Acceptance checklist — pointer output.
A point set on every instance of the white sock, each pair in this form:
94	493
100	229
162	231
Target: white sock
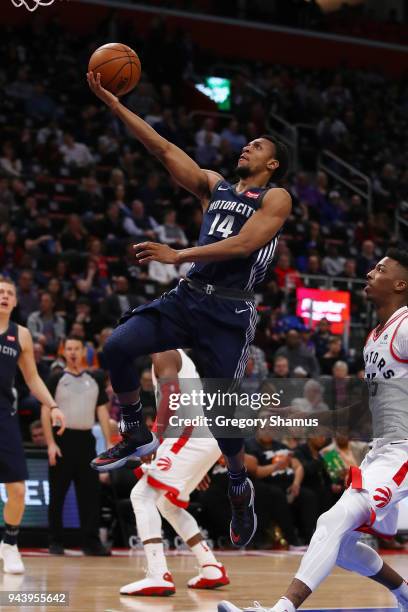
401	593
284	605
156	560
203	553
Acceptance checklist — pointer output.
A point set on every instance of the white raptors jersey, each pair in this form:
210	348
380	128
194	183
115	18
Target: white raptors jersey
386	370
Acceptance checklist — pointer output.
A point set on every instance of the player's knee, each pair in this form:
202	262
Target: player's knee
137	496
112	348
16	492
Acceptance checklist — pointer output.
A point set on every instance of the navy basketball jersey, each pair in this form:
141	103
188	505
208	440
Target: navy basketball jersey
226	214
9	353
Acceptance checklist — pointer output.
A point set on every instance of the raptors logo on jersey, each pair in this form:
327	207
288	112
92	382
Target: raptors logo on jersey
382	496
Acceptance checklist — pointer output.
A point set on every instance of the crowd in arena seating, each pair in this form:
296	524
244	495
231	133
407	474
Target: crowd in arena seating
76	192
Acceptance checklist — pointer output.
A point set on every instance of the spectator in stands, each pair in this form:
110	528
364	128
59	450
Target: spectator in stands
163	274
171	233
116	304
27	295
341	384
312	400
40	241
367	260
140	225
321	337
333	354
83	314
233	136
37	434
207	134
316	480
278	477
56	290
10	165
75	154
287	277
260	366
281	367
333	263
11	253
298	354
74	235
45	326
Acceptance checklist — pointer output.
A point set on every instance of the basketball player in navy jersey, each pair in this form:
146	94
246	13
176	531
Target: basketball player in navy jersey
212	310
16	349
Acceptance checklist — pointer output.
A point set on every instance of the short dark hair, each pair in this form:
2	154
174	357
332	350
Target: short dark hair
400	255
281	154
73	337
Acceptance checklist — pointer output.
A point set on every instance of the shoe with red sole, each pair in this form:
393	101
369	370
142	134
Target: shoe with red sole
151	586
209	578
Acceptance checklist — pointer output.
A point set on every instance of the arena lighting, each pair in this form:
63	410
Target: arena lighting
31	5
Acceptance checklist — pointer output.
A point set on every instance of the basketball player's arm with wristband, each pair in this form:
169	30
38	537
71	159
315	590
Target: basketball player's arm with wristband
181	166
28	367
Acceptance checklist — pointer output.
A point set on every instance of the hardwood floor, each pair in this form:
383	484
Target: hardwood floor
93	583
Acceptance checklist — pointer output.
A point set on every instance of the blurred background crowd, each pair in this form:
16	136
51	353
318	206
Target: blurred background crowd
77	192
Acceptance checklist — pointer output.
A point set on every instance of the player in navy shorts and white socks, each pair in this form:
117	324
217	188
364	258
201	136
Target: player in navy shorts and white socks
16	349
370	504
213	310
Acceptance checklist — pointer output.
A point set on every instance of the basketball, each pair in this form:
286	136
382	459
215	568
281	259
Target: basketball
119	67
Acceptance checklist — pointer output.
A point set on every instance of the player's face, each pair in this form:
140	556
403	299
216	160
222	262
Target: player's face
385	280
74	351
8	298
257	156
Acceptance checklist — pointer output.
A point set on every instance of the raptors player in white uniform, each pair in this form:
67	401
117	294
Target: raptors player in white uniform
371	501
166	483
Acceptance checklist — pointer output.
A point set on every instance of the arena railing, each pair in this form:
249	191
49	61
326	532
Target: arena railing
332	164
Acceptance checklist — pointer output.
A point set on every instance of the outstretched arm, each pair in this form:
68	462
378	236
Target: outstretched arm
181	166
257	231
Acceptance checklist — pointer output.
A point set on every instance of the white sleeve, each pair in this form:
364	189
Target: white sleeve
400	343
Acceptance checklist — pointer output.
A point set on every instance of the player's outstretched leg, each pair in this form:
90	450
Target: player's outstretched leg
12	514
138	336
212	574
356	556
350	512
241	493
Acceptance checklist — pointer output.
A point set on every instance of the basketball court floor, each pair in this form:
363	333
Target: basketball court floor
93	583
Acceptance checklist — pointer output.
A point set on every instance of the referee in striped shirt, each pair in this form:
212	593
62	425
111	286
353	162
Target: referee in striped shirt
81	396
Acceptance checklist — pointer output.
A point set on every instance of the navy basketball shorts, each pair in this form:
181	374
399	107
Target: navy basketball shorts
219	330
13	467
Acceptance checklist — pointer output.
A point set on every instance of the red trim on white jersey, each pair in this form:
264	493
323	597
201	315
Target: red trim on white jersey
355	478
377	331
171	492
395	356
400	476
182	440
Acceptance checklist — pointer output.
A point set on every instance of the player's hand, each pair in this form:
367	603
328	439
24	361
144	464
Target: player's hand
155	251
58	419
204	484
54	451
94	82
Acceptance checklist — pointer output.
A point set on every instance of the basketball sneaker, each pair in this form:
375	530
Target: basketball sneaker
211	576
136	443
226	606
151	586
244	521
12	562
